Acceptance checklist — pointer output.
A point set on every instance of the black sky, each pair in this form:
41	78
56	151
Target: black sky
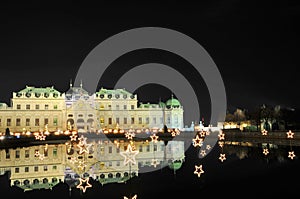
253	43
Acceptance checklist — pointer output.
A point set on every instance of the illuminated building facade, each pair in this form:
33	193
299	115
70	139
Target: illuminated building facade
33	109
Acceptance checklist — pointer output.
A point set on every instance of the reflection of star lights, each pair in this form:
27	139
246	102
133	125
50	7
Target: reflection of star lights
290	134
154	138
129	155
134	197
291	154
222	157
264	132
198	170
197	141
208	147
83	184
203	153
265	151
221	136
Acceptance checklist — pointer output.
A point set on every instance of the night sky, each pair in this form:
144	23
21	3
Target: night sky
253	43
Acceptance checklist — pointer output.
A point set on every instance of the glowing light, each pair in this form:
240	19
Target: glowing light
264	132
203	133
197	141
83	184
290	134
265	151
222	157
208	147
134	197
198	170
129	135
203	153
154	162
291	155
221	136
73	137
129	155
154	138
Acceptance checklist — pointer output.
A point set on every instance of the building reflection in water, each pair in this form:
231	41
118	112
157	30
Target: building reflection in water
45	166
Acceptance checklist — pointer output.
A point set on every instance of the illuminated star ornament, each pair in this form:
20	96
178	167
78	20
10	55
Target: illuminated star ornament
222	157
291	155
197	141
129	155
265	151
83	184
154	138
221	136
264	132
290	134
198	170
134	197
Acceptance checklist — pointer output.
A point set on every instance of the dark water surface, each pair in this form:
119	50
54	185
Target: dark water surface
246	171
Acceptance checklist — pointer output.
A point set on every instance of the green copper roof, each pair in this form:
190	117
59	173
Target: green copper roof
31	89
30	187
175	165
173	102
113	91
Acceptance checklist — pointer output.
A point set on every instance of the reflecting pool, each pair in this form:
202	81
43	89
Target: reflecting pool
151	166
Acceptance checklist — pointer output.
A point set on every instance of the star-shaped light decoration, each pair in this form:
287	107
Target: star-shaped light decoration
154	138
73	160
264	132
173	133
129	155
198	170
73	137
222	157
265	151
221	135
203	153
221	144
290	134
134	197
154	162
208	147
291	154
83	184
129	135
202	133
197	141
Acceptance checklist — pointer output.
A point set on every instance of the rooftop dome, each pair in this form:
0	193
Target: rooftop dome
175	165
173	103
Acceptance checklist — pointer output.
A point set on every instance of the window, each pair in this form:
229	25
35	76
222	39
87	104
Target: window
18	106
54	167
26	153
154	120
132	120
17	154
109	106
46	121
154	147
168	120
55	107
109	149
132	107
18	122
7	154
148	148
27	122
46	106
26	169
109	120
140	120
55	121
125	107
45	168
36	168
125	120
101	120
8	122
147	120
37	122
118	120
27	106
37	106
0	122
55	152
17	170
141	148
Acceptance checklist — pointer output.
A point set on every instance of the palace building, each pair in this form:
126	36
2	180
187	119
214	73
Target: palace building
34	109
